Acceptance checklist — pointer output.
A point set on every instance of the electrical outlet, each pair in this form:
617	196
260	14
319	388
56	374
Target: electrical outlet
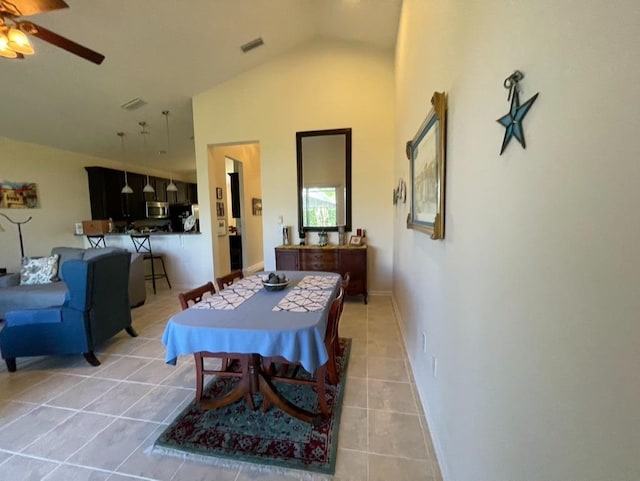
424	341
434	366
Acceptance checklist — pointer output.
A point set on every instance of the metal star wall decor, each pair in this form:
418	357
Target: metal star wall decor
512	121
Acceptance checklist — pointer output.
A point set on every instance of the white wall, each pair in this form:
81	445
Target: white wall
321	86
531	303
63	191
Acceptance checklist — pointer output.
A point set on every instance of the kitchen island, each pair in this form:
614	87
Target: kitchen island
184	268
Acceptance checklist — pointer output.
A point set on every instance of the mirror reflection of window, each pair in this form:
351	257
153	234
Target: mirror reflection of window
320	206
324	180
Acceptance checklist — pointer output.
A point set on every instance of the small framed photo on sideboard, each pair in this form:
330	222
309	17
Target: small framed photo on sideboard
355	240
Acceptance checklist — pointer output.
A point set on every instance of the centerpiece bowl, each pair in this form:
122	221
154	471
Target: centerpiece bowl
274	282
275	286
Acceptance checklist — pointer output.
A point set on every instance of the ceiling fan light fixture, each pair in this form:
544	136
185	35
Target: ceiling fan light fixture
5	50
19	42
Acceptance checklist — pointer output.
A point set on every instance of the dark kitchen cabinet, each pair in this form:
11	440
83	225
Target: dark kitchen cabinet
106	197
135	203
177	196
187	193
192	193
160	185
181	195
172	196
107	201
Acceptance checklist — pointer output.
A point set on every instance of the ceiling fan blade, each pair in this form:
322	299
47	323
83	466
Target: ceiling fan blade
24	8
62	42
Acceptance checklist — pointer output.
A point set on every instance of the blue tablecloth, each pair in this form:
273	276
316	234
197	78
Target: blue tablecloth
254	327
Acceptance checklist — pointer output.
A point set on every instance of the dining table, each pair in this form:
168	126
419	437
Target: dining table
247	318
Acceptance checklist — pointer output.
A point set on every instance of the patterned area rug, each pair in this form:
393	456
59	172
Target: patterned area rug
236	434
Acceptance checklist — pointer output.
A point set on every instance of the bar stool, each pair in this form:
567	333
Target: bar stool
96	240
142	243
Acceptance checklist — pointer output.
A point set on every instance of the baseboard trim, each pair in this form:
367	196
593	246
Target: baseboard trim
381	293
444	471
258	266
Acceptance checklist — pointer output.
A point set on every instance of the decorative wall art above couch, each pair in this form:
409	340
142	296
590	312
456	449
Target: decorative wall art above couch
18	195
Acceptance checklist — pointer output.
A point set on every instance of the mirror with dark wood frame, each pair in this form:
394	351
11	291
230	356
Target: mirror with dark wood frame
324	179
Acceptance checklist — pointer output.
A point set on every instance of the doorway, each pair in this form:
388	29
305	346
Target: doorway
241	231
233	169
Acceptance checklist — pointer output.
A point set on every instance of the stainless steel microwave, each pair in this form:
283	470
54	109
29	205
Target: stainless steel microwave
157	210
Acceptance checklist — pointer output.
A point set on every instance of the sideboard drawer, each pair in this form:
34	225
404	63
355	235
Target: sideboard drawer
317	260
339	259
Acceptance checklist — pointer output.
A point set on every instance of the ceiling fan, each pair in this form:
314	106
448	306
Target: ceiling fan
15	44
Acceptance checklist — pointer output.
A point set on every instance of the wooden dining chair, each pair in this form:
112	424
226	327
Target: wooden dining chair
228	279
345	286
330	368
187	299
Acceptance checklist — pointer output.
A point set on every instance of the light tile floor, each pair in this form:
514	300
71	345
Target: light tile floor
64	420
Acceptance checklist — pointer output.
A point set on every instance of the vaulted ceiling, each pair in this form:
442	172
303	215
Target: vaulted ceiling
163	52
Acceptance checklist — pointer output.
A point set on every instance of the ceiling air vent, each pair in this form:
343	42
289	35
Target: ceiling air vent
251	45
133	104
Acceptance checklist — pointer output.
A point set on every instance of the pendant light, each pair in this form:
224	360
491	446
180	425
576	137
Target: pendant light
148	188
171	187
126	189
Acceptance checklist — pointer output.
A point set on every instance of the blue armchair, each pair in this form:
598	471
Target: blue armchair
96	308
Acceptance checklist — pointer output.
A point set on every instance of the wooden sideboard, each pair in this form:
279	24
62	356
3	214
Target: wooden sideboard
340	259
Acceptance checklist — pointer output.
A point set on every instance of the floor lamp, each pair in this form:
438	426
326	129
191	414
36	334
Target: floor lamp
19	224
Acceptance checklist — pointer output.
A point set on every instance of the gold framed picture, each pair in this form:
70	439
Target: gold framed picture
427	155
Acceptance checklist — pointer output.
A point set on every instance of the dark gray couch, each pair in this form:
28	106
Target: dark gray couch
96	308
13	296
